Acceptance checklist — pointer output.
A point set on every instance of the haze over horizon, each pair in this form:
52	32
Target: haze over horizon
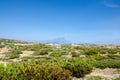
87	21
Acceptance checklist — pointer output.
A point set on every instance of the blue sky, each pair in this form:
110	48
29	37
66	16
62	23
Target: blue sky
92	21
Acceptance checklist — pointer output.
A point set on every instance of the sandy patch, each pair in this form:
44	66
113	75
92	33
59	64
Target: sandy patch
26	53
106	74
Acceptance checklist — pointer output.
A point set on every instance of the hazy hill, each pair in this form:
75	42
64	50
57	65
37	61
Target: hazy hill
60	40
8	41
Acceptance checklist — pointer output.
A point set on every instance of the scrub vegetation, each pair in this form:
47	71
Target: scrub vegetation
36	61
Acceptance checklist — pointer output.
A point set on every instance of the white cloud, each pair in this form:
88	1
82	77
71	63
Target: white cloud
111	4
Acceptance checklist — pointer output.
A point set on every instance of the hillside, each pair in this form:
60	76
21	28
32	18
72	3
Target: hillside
10	41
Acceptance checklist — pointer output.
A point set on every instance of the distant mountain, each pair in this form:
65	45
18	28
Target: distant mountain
58	41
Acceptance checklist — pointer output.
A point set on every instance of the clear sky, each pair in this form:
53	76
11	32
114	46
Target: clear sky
94	21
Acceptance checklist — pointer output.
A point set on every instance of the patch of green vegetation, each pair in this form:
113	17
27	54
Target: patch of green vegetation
114	56
32	71
55	54
78	67
13	54
2	46
75	54
107	63
16	51
26	58
97	57
40	52
4	58
91	51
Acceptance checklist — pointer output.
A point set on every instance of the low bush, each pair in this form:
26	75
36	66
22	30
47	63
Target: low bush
55	54
78	67
107	63
114	56
64	52
26	58
96	57
90	52
16	52
1	71
36	53
2	46
75	54
45	72
43	52
13	54
32	71
40	52
113	51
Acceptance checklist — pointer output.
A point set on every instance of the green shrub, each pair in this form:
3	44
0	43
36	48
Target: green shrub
11	55
16	52
57	73
26	58
64	52
114	56
97	57
91	52
36	53
107	63
75	54
78	67
1	71
40	52
10	72
55	54
43	52
32	71
2	46
113	51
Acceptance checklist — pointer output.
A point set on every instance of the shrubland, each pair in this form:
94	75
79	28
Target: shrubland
47	63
